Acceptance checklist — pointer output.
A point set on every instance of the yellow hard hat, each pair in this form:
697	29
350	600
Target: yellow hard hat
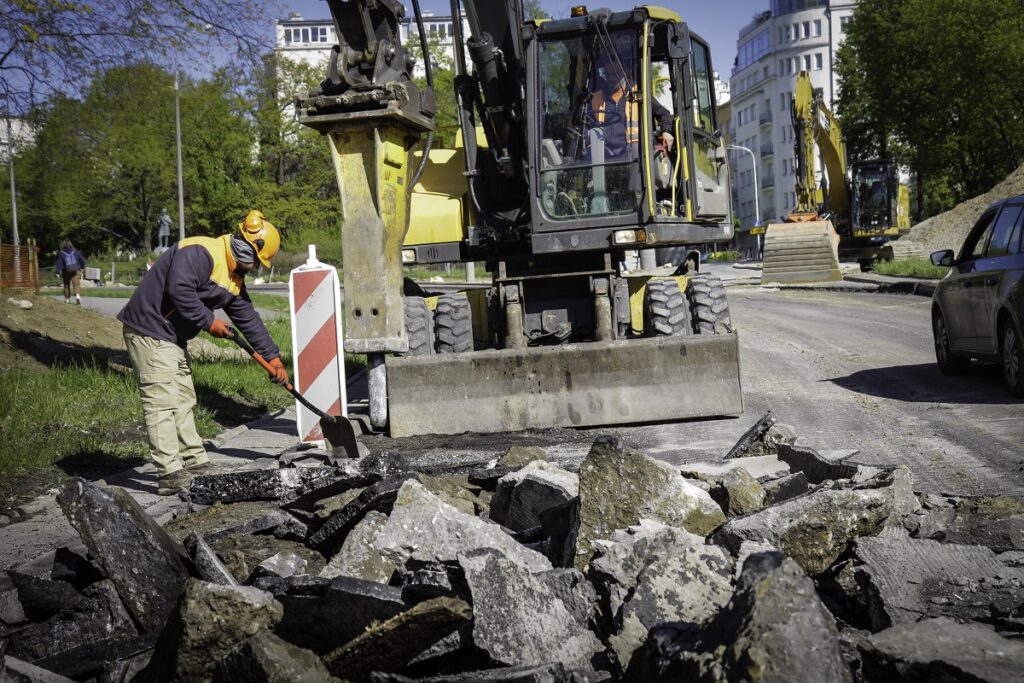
261	234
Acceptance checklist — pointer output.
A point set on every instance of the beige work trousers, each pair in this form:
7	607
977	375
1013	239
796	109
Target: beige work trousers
164	373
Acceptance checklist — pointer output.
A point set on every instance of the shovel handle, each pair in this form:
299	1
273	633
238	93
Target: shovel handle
247	347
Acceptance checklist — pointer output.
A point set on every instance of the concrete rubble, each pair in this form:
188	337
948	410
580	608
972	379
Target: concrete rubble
777	563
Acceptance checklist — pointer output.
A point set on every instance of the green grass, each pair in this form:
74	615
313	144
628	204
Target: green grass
724	257
911	267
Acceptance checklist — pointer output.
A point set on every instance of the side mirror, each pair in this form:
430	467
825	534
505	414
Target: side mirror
943	258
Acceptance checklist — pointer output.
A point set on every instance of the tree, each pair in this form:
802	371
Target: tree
938	86
49	46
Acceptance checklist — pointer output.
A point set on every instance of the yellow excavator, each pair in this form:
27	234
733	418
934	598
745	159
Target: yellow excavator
848	219
582	141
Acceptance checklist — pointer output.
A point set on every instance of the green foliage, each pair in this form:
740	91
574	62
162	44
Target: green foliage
724	257
911	267
937	86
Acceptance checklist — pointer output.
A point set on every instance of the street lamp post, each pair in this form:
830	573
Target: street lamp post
177	134
757	205
14	193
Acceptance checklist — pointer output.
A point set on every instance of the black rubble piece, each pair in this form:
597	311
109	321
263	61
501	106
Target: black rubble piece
350	477
522	496
785	488
41	598
11	611
487	478
209	621
996	522
518	617
283	485
266	658
420	580
816	468
389	645
220	520
135	553
242	554
774	626
815	529
453	654
324	614
752	441
904	580
545	673
76	641
379	497
126	668
207	564
560	525
72	568
14	670
942	650
650	574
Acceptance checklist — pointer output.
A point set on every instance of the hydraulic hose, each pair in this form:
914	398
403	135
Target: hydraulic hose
429	141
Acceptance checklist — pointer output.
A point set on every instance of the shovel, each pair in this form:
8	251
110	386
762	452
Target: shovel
337	430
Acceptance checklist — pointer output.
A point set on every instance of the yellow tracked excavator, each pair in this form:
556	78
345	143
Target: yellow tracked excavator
582	140
842	218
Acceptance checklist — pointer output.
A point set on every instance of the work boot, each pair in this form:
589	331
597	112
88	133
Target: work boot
170	484
199	467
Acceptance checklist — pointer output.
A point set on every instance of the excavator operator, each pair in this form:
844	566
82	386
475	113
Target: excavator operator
615	107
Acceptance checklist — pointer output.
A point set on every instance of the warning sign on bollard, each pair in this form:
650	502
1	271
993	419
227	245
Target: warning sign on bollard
318	361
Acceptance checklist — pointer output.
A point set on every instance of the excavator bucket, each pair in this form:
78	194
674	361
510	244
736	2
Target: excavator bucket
576	385
801	252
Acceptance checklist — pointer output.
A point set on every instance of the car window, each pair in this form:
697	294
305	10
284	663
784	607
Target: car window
1004	230
1016	241
976	242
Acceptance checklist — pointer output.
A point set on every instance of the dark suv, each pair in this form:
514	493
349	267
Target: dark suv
978	308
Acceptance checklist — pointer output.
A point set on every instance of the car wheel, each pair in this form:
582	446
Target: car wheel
949	364
1011	355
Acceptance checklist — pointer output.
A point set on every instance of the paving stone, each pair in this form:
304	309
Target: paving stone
207	564
322	615
518	619
242	554
762	468
816	468
93	627
72	568
138	556
388	646
815	529
422	527
652	573
379	497
266	658
773	628
221	520
14	670
521	456
785	488
357	557
738	493
996	522
208	622
283	485
942	650
41	598
522	496
619	488
11	611
904	580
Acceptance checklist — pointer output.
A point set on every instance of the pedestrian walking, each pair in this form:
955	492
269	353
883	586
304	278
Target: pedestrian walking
69	266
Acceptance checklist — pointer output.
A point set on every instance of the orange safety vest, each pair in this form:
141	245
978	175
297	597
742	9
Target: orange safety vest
631	116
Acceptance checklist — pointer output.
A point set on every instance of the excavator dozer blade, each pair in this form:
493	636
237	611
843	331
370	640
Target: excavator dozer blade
801	252
577	385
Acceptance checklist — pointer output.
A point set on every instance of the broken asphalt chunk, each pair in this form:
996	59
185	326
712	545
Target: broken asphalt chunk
207	564
816	468
220	520
357	557
41	598
522	496
378	497
284	485
266	658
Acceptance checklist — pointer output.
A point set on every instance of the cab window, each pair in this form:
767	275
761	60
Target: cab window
703	87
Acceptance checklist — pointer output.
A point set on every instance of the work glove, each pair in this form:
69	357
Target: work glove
219	328
279	374
667	140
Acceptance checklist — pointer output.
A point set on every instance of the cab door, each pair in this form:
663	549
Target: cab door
710	172
958	302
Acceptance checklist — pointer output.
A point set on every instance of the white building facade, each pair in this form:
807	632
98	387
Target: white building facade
790	37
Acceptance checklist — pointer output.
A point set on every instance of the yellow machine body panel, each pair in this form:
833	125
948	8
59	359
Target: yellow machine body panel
437	211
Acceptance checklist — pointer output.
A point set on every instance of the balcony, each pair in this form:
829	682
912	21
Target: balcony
765	117
767	151
768	182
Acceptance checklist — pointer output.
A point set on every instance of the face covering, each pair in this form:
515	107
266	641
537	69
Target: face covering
243	253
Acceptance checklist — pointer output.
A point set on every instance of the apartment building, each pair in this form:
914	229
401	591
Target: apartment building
778	43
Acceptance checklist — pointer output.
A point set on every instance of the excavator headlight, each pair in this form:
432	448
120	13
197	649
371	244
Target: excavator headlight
578	11
408	256
629	236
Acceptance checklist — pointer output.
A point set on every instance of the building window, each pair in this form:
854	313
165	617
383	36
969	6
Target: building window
782	101
287	36
780	34
807	29
807	62
789	33
843	21
817	61
817	27
305	35
796	31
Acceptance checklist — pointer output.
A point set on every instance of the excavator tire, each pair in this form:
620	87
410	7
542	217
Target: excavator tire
709	306
453	322
801	252
419	327
665	310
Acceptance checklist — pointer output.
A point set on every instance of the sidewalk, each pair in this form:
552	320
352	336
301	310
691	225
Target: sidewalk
33	539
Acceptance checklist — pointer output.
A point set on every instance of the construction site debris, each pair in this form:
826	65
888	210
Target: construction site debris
70	567
522	496
521	456
738	493
242	553
221	520
760	467
11	611
753	438
618	488
380	496
205	560
784	488
267	658
815	467
357	557
282	485
996	522
41	598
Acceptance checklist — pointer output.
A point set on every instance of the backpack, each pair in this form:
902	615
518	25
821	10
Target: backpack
70	261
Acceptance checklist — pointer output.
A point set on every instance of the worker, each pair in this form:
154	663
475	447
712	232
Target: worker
174	302
69	266
615	107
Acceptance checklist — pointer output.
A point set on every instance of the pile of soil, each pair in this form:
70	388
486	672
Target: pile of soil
53	333
949	230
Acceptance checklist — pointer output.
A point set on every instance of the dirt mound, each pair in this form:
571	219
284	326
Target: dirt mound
52	333
949	230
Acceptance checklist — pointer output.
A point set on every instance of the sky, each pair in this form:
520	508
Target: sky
716	22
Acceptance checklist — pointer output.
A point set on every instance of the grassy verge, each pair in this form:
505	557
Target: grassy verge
724	257
911	267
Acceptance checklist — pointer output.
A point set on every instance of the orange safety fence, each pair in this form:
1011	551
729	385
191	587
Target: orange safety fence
19	267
